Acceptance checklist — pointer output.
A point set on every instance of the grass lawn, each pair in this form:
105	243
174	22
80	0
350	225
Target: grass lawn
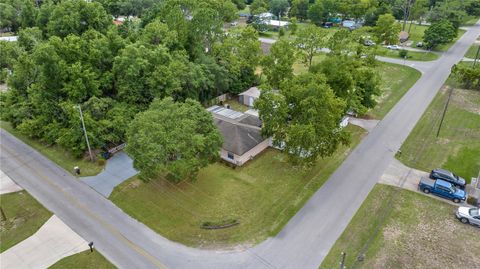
85	259
56	153
299	67
458	146
235	105
262	195
413	231
396	81
24	217
470	20
411	55
472	51
416	35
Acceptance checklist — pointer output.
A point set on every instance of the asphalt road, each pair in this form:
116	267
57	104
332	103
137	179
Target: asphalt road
304	241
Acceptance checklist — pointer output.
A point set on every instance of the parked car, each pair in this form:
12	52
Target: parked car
327	24
393	47
442	188
448	176
420	44
469	215
234	23
368	42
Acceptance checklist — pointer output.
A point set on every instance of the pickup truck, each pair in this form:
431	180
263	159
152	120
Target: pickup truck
442	188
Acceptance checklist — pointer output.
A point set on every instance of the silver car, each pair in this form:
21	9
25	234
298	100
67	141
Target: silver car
469	215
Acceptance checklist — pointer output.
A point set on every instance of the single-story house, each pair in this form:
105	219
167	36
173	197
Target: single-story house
249	96
242	137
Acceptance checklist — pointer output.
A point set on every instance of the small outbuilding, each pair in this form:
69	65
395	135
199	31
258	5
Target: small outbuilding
403	36
249	96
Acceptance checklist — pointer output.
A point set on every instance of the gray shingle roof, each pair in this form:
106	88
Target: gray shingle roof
239	135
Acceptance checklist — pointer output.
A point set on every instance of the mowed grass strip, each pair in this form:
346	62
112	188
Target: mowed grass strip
85	259
262	195
56	153
472	51
411	231
396	81
24	216
457	146
411	55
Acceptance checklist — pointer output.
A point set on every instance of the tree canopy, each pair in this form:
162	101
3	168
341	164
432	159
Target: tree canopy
173	139
302	117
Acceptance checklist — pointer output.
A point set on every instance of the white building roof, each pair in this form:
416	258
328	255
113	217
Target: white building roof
277	23
253	92
8	38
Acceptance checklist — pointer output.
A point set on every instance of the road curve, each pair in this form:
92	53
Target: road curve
304	241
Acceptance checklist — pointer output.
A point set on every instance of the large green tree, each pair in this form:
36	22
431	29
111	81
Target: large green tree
76	17
303	117
310	39
439	33
173	139
299	9
387	29
277	66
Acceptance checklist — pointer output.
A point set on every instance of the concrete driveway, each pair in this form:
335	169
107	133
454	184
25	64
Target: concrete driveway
51	243
118	169
7	185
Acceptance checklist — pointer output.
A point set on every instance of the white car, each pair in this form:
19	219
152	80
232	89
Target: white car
469	215
393	47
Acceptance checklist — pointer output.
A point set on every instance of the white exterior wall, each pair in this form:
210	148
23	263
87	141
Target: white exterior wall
240	160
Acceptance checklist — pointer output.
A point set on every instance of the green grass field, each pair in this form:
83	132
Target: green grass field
396	81
472	51
457	147
24	217
85	259
262	195
56	153
397	228
411	55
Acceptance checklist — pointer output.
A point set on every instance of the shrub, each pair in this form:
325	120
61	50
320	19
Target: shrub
281	32
403	53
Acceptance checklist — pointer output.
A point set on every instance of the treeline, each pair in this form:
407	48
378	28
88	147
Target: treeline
70	53
320	11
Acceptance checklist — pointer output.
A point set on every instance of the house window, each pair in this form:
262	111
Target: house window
230	155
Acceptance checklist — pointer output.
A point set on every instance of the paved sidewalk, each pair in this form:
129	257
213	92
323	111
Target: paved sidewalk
368	125
51	243
7	185
118	169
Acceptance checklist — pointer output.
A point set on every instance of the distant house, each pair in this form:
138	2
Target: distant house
348	23
249	96
9	38
403	36
242	137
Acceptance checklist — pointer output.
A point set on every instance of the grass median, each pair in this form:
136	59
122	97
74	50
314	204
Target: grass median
410	231
262	196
